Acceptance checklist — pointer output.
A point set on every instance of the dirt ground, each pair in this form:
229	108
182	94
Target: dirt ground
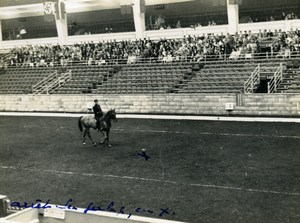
196	171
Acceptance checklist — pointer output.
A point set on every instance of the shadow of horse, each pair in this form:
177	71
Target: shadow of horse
89	121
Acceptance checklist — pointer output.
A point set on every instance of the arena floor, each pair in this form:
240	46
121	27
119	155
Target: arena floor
198	171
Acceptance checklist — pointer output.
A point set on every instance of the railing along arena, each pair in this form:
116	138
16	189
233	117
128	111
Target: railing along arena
253	80
50	82
178	59
275	80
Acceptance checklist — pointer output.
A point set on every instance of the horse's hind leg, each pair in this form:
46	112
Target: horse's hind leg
89	135
104	138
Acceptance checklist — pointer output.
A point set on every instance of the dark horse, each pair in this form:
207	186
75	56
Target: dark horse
90	122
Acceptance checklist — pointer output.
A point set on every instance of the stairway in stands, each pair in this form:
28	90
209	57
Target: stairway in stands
143	79
84	79
225	77
290	82
185	79
52	82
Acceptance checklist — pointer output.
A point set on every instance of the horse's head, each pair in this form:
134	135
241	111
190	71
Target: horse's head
112	115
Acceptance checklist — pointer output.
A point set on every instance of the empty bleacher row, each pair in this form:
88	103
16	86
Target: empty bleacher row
83	78
291	81
20	80
225	77
153	78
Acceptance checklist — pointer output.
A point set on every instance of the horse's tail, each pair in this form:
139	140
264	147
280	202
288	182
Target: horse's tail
80	124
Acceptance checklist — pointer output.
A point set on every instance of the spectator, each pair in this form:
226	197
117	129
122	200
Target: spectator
194	47
269	34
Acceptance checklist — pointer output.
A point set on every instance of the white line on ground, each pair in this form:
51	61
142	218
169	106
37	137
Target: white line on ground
208	133
197	133
155	180
170	117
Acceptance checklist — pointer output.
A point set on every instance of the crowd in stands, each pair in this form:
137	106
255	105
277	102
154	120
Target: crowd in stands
287	42
220	18
165	50
192	21
268	15
2	65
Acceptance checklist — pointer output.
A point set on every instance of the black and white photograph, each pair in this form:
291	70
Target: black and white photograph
149	111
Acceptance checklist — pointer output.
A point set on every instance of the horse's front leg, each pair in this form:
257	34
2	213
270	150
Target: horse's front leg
107	138
89	135
83	138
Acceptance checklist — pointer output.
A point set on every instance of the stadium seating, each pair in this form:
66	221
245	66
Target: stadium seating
179	77
225	77
291	81
19	80
83	78
216	74
153	78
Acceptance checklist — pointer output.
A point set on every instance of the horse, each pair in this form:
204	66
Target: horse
89	121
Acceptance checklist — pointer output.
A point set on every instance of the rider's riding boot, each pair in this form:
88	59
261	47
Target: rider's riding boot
98	126
101	126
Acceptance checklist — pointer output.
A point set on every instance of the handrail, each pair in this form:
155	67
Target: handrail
59	81
276	80
52	81
5	56
150	60
252	80
35	88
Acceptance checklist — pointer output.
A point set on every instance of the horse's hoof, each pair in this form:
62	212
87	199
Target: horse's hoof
109	145
101	142
83	143
95	144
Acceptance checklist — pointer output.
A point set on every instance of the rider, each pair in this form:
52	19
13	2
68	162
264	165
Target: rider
98	114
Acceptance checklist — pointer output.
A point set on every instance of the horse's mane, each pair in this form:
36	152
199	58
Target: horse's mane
109	112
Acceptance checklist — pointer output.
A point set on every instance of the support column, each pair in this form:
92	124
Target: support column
62	31
1	35
61	23
233	16
139	17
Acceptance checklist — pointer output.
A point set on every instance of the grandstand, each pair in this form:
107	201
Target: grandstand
20	81
147	78
159	59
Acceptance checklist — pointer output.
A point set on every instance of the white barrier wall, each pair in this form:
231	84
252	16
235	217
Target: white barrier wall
284	25
197	104
56	215
24	42
103	37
